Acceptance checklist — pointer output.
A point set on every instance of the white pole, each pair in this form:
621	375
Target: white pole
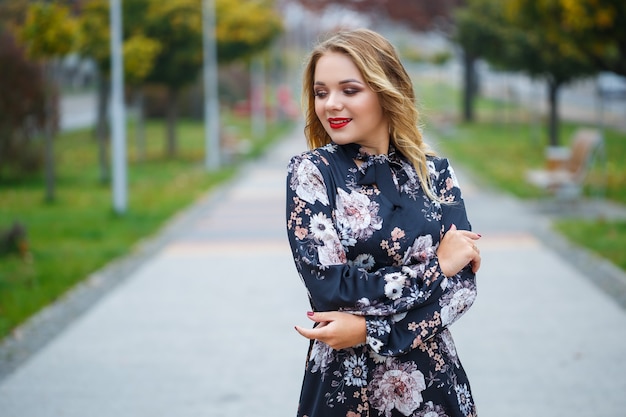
211	98
118	118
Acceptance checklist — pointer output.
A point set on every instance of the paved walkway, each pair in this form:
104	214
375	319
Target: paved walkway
199	321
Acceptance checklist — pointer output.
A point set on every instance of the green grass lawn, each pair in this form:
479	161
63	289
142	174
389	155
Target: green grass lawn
504	143
79	232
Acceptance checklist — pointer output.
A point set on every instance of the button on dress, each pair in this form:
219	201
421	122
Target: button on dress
364	240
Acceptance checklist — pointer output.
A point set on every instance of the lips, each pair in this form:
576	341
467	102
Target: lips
338	123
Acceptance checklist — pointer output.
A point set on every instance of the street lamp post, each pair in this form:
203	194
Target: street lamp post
118	128
211	97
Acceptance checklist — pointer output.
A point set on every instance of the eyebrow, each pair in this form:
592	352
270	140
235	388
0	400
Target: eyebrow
349	80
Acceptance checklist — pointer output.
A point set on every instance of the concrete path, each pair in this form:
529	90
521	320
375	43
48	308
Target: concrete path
202	323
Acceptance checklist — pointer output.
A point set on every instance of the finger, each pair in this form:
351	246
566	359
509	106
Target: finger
471	235
309	333
303	332
319	317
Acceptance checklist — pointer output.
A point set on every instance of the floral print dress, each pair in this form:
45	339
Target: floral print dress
372	251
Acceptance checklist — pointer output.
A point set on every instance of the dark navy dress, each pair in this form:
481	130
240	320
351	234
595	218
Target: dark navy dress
372	251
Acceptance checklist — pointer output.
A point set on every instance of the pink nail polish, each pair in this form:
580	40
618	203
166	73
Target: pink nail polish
309	313
479	235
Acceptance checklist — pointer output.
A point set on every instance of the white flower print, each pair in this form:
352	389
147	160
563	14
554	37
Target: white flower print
310	183
455	182
464	398
376	357
378	327
410	272
398	317
448	346
397	385
431	410
331	253
356	371
374	343
393	290
358	214
321	356
341	397
395	277
365	261
322	228
421	252
452	306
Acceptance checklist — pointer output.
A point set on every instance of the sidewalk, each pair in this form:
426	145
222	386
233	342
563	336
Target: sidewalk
201	322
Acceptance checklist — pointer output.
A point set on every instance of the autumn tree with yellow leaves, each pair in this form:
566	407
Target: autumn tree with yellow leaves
163	45
243	28
139	53
596	28
554	40
49	33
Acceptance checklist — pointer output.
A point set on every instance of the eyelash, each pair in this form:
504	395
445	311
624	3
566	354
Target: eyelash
347	91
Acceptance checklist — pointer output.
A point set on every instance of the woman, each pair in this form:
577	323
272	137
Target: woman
381	239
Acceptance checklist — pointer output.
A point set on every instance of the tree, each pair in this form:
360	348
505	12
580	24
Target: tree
177	26
596	27
95	44
49	33
243	27
512	37
419	15
139	56
533	33
21	106
477	31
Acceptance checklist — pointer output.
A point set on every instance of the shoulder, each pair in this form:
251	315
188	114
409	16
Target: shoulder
319	158
436	162
440	170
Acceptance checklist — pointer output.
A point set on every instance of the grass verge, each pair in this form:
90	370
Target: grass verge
79	232
505	142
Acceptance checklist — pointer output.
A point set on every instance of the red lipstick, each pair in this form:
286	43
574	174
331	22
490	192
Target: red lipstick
338	123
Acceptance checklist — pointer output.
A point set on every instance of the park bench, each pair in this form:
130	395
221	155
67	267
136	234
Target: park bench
567	169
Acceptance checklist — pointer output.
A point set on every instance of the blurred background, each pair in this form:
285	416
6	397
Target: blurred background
505	88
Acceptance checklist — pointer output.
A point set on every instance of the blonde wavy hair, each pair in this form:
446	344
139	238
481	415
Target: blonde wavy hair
380	66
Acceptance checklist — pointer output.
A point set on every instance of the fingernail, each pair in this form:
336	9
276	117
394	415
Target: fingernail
479	235
309	313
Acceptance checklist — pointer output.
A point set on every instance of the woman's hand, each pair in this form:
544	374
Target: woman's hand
456	250
338	330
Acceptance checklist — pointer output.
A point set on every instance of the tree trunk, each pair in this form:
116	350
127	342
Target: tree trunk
48	155
469	86
553	115
171	118
140	132
102	130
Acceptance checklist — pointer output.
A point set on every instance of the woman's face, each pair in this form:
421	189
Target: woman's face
347	107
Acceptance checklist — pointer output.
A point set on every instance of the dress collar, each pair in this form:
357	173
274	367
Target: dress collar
377	169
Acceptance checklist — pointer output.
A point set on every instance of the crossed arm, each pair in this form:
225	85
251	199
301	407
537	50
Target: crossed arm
334	286
342	330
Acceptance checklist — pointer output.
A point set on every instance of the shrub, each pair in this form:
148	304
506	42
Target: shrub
22	111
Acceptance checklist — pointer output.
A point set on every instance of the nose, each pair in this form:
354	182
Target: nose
333	102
